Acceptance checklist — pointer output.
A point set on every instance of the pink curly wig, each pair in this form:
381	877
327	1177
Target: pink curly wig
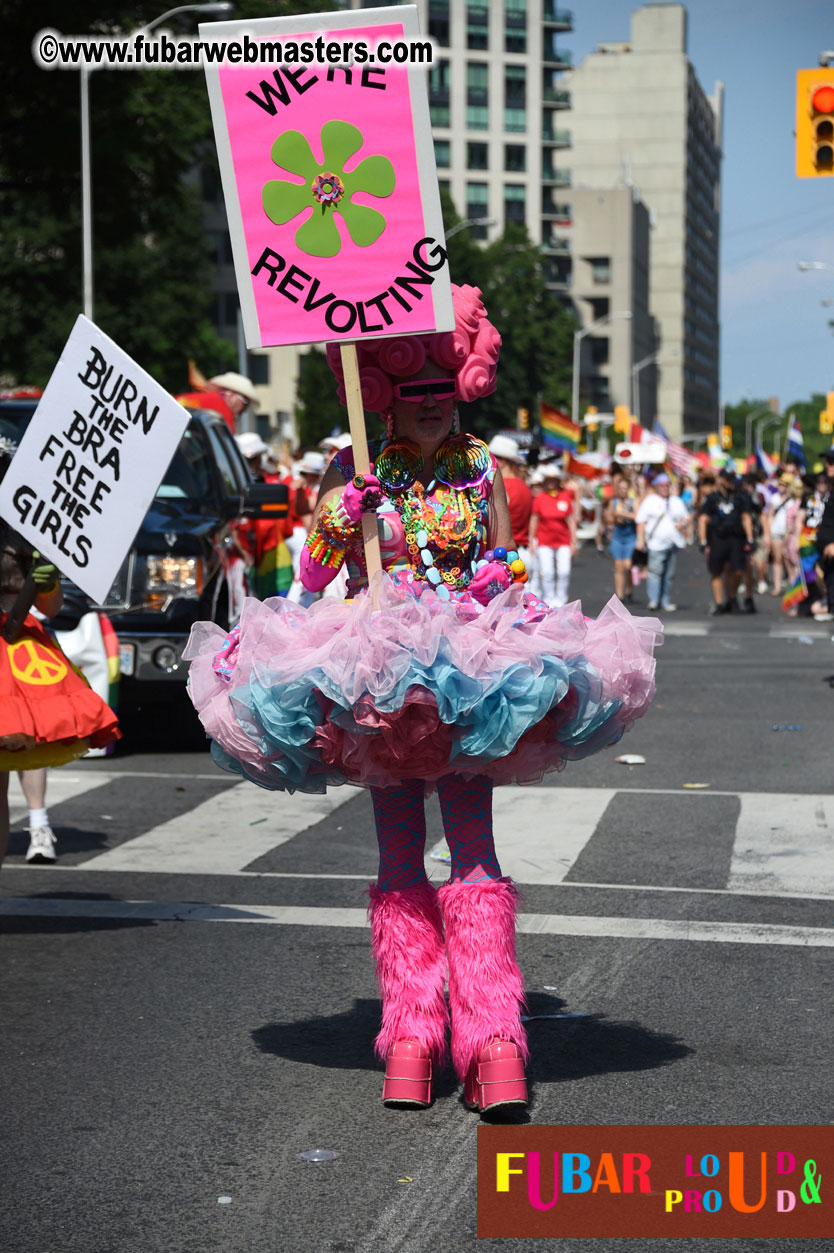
471	350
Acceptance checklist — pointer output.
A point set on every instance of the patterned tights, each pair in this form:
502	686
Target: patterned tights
466	806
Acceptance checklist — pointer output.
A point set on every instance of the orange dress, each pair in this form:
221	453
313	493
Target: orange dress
49	714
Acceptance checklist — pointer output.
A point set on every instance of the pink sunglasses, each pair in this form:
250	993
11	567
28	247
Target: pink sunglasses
415	393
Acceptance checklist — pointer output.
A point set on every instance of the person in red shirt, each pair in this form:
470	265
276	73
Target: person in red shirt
553	537
519	497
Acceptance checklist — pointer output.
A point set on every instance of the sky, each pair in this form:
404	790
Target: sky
775	339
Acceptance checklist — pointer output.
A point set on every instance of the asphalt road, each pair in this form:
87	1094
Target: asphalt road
188	1001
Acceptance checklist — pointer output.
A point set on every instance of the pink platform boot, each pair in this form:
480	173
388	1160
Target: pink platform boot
486	992
407	941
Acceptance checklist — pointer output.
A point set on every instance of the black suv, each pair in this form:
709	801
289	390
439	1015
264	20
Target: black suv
175	572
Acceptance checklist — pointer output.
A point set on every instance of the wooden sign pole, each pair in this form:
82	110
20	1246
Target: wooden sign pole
361	457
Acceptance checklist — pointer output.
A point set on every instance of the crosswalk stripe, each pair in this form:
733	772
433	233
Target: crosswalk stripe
222	835
784	843
584	926
541	831
62	785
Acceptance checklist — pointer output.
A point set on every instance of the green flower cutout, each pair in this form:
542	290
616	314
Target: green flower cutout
327	189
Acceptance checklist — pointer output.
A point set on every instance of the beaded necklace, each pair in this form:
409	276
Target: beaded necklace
443	536
441	543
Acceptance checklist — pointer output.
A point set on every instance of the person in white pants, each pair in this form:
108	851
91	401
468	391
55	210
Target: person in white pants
553	537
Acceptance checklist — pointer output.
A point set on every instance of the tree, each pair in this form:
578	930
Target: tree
149	129
536	330
318	411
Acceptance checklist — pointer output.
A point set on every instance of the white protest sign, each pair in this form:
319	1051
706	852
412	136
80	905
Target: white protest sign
91	460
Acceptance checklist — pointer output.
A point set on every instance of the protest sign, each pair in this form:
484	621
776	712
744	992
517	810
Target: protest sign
91	460
330	181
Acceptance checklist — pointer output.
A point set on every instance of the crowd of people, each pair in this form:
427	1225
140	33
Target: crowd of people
759	534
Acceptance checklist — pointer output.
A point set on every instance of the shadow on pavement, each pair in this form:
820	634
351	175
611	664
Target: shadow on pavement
576	1048
571	1048
38	924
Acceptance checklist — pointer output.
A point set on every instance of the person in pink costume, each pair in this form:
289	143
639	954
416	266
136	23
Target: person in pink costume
452	676
472	918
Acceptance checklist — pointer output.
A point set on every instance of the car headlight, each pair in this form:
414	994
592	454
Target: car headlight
180	576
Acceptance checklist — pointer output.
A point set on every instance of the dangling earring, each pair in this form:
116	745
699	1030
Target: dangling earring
456	422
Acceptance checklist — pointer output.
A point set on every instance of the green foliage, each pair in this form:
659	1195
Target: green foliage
807	414
318	412
536	330
149	130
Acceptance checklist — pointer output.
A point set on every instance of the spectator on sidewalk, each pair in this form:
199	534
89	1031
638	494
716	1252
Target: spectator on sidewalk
757	558
725	533
519	497
661	520
553	536
623	515
825	539
776	521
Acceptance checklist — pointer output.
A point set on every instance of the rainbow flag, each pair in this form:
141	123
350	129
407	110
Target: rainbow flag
808	554
795	592
557	429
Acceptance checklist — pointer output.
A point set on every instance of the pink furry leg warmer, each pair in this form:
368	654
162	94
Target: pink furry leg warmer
486	990
407	942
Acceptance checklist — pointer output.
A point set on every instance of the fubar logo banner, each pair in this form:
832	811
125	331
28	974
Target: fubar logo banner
330	185
655	1181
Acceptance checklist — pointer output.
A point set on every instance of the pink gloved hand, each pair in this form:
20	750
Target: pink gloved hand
489	582
363	494
314	574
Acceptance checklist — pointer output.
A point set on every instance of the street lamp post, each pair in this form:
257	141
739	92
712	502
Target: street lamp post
220	8
635	375
763	424
752	417
462	226
578	336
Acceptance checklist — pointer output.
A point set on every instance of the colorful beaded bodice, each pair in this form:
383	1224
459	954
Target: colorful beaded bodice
437	532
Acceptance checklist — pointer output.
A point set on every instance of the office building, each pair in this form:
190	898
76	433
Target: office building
639	119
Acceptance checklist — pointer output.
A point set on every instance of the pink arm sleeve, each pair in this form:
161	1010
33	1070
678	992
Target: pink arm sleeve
314	575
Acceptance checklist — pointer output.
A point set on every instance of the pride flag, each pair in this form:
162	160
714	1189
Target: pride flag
808	554
795	445
795	592
557	429
764	462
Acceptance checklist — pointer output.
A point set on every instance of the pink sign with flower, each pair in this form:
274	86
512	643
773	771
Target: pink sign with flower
330	182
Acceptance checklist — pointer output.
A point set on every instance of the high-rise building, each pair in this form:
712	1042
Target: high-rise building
639	118
499	109
610	253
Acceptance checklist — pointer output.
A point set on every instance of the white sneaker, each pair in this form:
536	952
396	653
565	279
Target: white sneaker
652	607
824	617
41	844
762	588
668	608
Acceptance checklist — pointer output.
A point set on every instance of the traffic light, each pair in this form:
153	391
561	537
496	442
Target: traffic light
622	420
523	419
590	415
815	122
827	416
726	437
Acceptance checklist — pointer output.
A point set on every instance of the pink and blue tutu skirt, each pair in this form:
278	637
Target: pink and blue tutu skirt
415	686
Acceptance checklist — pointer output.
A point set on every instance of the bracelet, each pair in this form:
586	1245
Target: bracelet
335	525
322	551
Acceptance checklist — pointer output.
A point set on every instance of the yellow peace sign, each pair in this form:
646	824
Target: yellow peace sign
32	663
